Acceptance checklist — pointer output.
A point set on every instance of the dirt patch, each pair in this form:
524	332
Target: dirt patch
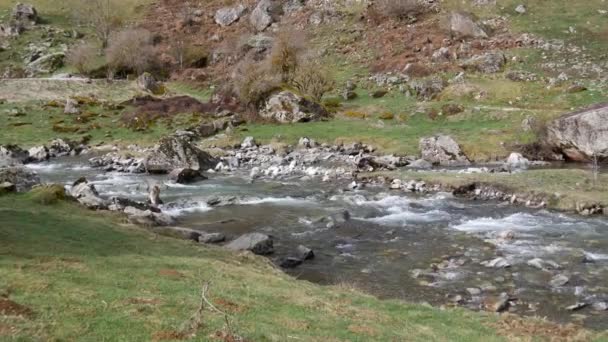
515	327
145	301
168	335
169	273
10	308
362	330
6	330
226	305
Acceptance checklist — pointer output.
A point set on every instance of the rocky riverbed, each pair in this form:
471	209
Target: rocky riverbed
409	241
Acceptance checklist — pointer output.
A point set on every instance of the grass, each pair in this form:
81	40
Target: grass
568	186
88	277
32	123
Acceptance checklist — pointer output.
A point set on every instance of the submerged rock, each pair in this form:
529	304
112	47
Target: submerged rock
12	155
186	176
257	243
211	238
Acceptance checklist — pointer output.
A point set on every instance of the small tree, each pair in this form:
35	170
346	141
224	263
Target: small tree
103	16
83	57
252	83
131	50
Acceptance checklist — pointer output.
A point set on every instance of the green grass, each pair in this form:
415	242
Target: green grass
568	186
34	125
88	277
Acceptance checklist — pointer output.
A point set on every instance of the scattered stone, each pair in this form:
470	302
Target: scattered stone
545	265
7	187
148	83
154	195
257	243
379	93
262	15
576	307
290	262
249	142
559	280
186	176
428	89
501	303
442	150
24	13
38	154
520	9
71	107
599	306
149	218
474	291
488	63
420	164
517	161
12	155
304	253
499	262
227	15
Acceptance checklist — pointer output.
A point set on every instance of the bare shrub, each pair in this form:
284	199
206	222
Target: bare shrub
253	83
285	55
103	16
83	57
131	50
399	9
187	55
311	79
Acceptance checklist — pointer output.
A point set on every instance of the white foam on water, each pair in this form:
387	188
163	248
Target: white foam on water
400	216
277	201
515	222
595	256
199	207
44	167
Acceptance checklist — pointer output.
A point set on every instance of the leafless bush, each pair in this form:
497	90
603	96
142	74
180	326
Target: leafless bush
286	53
399	9
187	55
82	57
253	83
131	50
103	16
313	80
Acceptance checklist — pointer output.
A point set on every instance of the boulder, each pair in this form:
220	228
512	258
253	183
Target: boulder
7	187
264	14
46	64
517	161
71	107
149	218
428	89
581	135
290	262
148	83
442	150
154	195
249	142
38	154
186	176
86	194
21	178
257	243
227	15
12	155
287	107
60	147
420	164
488	63
211	238
462	25
177	151
25	13
11	29
304	253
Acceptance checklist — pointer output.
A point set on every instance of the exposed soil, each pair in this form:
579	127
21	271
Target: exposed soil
10	308
171	273
515	327
168	335
226	305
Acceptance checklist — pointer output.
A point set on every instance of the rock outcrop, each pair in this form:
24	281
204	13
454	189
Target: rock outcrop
86	194
582	135
287	107
442	150
462	25
178	151
264	14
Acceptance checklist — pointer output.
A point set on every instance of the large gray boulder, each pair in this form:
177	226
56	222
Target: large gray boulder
86	194
581	135
442	150
488	63
428	89
38	154
257	243
227	15
46	64
264	14
287	107
462	25
21	178
177	151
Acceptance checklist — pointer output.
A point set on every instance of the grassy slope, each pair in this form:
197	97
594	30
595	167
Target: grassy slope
87	277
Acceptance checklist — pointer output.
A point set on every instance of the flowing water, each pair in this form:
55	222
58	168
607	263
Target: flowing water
419	248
